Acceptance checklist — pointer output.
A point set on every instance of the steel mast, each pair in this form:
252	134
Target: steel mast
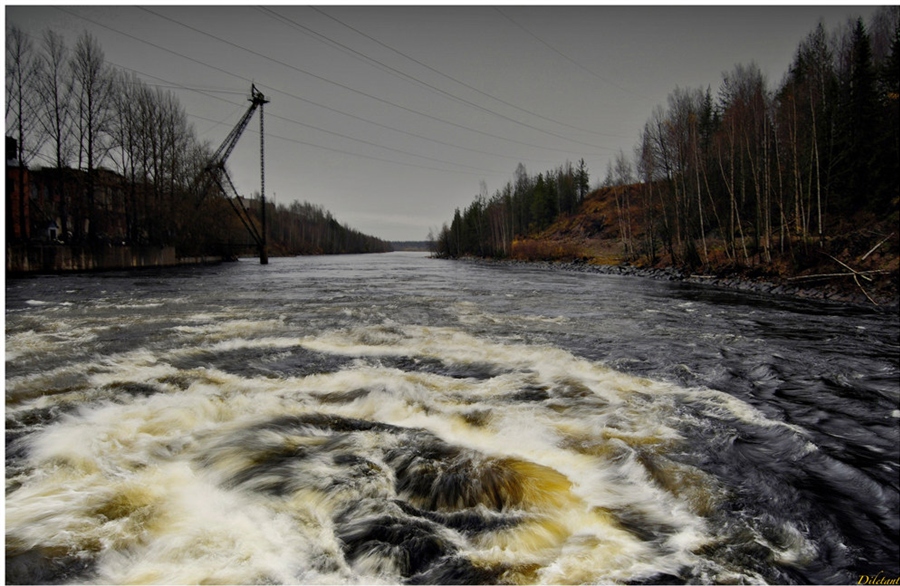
263	255
216	172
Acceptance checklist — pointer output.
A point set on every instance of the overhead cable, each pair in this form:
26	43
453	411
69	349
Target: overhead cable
432	87
370	96
566	57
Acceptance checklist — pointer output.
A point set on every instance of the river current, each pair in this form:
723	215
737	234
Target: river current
384	419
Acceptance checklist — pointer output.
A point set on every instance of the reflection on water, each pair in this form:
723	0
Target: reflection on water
400	419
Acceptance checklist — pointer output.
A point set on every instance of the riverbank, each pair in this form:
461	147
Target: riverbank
784	287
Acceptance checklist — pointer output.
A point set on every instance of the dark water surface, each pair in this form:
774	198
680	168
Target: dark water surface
398	419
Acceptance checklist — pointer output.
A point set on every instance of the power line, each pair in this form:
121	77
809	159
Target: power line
286	119
176	85
369	143
430	86
346	87
352	51
205	92
462	83
219	69
566	57
343	152
168	84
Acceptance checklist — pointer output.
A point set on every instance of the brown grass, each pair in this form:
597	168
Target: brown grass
553	250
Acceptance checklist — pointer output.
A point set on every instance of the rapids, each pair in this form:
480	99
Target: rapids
388	419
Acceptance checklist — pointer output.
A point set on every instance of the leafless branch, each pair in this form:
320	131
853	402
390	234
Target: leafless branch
830	275
876	246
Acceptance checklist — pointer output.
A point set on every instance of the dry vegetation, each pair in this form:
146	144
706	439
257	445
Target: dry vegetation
863	254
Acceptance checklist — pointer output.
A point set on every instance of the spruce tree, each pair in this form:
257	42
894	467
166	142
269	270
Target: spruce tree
861	116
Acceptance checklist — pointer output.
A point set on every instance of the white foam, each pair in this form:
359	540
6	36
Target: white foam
184	524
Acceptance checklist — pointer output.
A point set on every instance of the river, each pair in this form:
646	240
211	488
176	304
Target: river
384	419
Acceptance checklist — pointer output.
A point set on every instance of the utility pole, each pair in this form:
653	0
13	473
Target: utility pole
263	255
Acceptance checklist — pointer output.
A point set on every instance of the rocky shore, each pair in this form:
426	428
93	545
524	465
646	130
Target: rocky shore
784	287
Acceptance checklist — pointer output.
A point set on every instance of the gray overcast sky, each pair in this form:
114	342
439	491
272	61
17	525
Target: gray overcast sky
391	116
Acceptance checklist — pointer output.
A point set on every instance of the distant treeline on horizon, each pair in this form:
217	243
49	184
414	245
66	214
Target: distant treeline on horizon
410	245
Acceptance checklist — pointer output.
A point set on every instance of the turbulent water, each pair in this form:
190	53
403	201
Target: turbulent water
399	419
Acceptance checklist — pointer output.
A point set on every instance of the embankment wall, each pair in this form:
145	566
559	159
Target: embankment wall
47	258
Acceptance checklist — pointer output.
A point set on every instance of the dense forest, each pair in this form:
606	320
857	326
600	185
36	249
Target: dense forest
119	163
745	176
304	228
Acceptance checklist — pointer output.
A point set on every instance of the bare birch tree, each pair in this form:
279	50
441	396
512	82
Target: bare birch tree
94	85
21	105
55	89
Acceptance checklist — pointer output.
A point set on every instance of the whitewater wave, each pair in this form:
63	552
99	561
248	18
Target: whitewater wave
365	455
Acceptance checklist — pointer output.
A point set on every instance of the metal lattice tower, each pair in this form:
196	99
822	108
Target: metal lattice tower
215	172
257	96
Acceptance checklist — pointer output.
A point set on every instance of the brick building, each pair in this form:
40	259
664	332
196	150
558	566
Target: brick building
54	205
18	216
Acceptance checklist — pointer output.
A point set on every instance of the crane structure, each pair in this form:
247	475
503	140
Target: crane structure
216	173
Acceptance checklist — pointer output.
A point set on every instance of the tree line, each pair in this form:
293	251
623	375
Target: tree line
305	228
525	205
82	118
758	171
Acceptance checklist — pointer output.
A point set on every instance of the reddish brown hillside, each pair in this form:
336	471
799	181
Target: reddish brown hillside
859	255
